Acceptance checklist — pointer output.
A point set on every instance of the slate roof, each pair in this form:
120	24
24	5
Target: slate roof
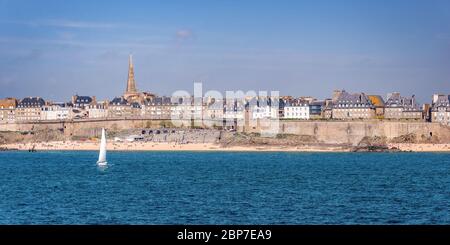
395	100
160	101
31	102
135	105
119	101
296	102
443	101
357	100
83	99
61	104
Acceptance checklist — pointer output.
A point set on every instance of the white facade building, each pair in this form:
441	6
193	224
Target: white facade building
261	112
97	110
55	112
296	111
440	111
263	108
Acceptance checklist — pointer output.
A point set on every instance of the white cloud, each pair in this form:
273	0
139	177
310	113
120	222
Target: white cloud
80	24
184	34
70	42
66	24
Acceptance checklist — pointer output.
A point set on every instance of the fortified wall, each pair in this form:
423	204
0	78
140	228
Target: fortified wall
85	128
334	132
352	132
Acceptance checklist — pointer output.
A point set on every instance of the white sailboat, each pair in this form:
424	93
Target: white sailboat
102	155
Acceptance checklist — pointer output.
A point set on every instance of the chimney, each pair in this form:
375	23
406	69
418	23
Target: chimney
435	98
336	94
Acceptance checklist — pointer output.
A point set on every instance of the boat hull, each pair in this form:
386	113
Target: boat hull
102	163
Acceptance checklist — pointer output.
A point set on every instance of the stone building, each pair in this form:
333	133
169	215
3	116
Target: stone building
281	104
440	109
214	111
132	94
29	109
327	109
98	110
234	109
353	106
316	109
398	108
379	105
83	102
8	110
119	107
157	108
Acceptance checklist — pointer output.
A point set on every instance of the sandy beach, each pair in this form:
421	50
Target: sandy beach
152	146
420	147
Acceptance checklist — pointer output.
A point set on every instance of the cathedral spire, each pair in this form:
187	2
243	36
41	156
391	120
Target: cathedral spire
131	83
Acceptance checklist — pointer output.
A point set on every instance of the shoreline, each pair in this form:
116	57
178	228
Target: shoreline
152	146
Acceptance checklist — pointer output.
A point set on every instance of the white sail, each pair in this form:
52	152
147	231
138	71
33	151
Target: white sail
102	154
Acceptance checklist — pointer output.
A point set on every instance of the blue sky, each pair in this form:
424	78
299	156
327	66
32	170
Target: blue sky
55	49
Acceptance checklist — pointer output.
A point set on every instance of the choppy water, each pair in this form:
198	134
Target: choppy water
224	188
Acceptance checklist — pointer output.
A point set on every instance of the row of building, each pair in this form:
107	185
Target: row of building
360	106
134	104
343	106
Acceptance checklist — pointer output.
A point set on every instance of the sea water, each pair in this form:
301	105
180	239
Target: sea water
224	188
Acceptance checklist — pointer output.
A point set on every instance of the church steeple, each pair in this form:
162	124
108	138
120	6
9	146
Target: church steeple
131	83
